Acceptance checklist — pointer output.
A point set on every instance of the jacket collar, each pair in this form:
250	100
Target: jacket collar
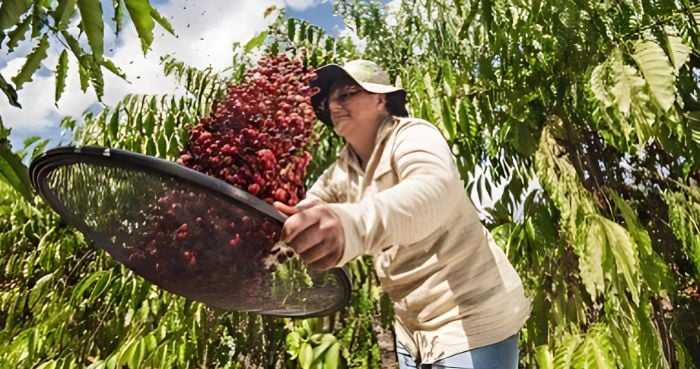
350	159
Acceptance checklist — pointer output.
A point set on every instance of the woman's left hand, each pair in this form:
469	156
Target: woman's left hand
315	233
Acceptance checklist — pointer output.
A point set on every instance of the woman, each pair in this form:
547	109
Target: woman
395	193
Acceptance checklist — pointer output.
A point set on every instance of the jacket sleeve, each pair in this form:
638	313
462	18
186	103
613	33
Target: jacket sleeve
427	191
323	189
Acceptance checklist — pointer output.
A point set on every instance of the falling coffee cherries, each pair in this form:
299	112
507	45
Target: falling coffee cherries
255	140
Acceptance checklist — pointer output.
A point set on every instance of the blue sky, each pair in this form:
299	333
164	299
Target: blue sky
206	31
321	15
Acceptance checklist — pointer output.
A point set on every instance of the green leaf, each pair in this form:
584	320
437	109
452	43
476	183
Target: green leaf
30	141
596	350
12	171
255	41
446	113
592	255
113	68
625	253
84	75
100	286
113	126
169	126
627	83
112	362
598	85
325	341
652	267
465	121
151	147
136	354
150	342
651	344
39	149
140	13
79	289
679	53
302	30
17	34
684	215
96	77
487	13
73	44
9	92
544	357
11	11
657	71
61	74
32	64
64	12
39	291
51	364
162	146
293	344
291	28
306	355
118	16
558	177
332	358
93	25
565	351
149	124
522	138
310	35
162	21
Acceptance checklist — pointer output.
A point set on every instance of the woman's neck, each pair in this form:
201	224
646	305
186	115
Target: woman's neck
363	144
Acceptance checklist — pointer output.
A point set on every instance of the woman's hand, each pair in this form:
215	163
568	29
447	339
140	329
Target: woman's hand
315	232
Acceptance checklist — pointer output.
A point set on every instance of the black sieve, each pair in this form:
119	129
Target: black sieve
189	233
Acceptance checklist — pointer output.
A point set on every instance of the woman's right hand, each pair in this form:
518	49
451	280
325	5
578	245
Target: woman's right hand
315	232
291	210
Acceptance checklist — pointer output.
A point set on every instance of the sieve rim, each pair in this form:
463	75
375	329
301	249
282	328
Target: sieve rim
44	164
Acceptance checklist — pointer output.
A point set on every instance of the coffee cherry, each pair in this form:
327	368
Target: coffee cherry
255	139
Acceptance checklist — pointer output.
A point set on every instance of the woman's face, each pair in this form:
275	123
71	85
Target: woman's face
355	111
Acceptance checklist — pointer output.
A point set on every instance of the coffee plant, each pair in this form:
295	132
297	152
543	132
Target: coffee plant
578	119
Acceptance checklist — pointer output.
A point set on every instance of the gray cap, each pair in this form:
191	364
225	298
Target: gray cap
365	73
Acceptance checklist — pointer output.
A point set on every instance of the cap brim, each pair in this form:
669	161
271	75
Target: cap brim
330	73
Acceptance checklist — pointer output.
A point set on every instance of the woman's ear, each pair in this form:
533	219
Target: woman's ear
382	101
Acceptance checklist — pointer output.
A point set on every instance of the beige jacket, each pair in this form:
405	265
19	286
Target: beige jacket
452	286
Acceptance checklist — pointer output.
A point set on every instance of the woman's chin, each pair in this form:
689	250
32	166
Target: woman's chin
341	128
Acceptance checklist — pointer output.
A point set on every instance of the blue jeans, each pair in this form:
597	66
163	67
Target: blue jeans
500	355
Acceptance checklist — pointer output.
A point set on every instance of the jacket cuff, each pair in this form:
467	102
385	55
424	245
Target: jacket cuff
349	218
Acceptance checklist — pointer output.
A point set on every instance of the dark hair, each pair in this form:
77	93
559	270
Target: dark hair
396	105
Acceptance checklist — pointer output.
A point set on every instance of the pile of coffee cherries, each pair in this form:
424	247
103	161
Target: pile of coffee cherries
255	140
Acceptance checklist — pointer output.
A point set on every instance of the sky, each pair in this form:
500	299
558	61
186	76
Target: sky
205	32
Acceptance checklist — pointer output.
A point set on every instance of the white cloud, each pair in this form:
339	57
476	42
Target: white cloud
360	44
302	5
393	8
206	31
35	97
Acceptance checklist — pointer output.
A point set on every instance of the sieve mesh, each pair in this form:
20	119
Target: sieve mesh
188	233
